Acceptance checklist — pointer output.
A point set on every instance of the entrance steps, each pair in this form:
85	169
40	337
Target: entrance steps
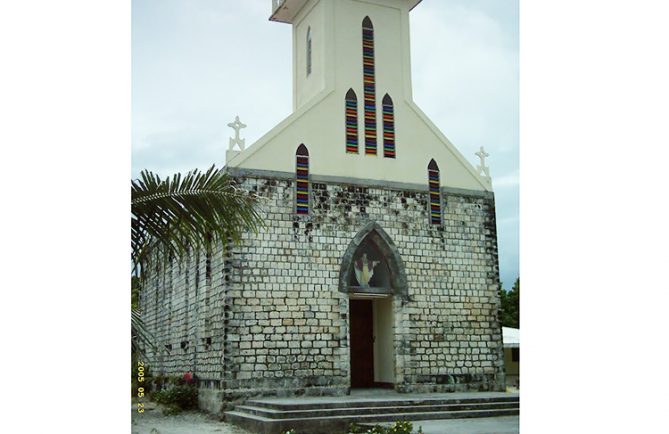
332	415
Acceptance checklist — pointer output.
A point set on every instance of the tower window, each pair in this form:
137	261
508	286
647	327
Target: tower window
435	194
308	51
351	122
302	180
369	83
388	127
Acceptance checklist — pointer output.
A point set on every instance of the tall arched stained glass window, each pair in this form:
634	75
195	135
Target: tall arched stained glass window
369	82
351	122
388	127
435	194
302	180
308	51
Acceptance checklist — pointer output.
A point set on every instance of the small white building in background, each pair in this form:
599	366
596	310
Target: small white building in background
511	339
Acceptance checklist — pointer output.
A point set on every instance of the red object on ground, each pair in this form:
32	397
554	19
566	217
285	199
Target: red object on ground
188	377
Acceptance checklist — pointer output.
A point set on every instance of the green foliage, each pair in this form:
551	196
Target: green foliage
399	427
177	398
134	287
510	306
153	383
141	339
160	382
196	211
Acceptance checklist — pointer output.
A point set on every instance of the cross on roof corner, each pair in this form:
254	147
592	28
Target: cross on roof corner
482	168
237	125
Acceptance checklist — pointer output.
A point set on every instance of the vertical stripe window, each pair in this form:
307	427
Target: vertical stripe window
369	85
351	122
302	180
388	127
435	194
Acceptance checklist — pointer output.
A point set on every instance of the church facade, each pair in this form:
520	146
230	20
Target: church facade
378	265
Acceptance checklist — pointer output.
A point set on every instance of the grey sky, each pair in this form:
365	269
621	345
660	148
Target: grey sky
196	64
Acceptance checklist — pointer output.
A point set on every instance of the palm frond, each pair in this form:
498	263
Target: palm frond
172	215
142	339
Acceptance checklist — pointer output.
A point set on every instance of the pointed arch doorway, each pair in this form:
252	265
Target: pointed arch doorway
372	275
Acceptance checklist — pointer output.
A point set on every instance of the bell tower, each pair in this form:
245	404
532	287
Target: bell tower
348	44
353	108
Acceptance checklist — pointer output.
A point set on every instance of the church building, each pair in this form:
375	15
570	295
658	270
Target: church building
378	264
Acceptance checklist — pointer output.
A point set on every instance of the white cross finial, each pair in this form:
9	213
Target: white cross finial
237	125
482	168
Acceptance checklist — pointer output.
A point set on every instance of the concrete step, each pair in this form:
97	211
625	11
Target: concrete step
273	413
290	405
328	415
330	424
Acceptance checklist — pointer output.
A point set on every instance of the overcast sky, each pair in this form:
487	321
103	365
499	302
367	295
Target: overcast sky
198	63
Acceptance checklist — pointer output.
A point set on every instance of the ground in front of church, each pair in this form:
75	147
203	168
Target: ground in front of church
479	425
153	421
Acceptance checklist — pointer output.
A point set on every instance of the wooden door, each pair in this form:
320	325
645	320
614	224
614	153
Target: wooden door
362	343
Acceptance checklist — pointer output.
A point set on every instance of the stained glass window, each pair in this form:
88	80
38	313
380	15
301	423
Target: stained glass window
369	82
435	194
302	180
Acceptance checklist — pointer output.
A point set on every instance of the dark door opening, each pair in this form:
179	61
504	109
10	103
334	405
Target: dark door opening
362	343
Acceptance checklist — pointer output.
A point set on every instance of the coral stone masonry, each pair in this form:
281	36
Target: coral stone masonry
269	317
373	270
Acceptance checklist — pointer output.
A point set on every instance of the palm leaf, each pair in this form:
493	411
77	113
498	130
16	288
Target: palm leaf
142	339
174	215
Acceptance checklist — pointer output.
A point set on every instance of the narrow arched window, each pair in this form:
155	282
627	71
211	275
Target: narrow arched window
302	180
369	82
308	51
351	122
388	127
435	194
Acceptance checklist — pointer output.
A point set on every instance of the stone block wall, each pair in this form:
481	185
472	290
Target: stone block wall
278	323
184	306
